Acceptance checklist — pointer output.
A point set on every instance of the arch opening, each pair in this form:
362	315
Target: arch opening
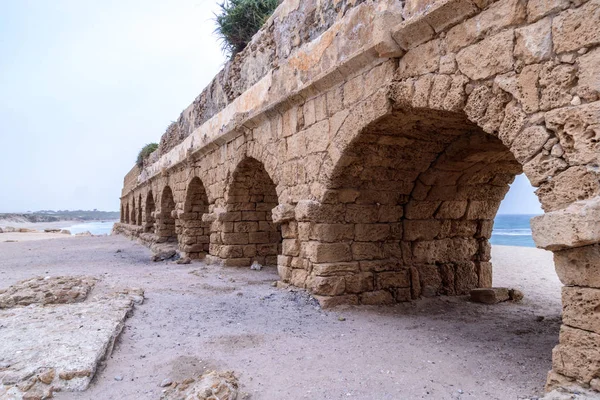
195	235
139	211
249	234
150	213
122	216
415	195
165	231
127	213
133	212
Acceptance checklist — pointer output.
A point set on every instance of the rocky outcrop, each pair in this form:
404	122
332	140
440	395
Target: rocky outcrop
47	290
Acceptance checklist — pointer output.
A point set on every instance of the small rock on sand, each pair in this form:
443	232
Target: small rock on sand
209	386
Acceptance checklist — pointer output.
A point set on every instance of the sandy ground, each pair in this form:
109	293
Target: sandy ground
281	345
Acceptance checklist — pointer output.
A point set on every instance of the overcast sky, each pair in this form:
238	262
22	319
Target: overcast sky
85	84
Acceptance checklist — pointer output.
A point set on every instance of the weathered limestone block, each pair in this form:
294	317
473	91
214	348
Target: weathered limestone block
332	232
492	56
359	283
579	266
514	121
576	28
489	295
485	274
327	285
290	247
427	229
529	143
465	277
542	168
589	75
577	355
578	129
575	226
334	301
327	252
499	15
451	210
332	269
556	83
395	279
420	60
523	87
367	251
283	213
372	232
537	9
477	210
430	280
534	42
573	184
376	298
444	250
421	209
581	308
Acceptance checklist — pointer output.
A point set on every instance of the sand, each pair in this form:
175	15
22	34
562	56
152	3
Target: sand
281	345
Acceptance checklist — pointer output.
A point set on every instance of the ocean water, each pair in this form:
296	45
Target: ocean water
509	230
94	227
512	230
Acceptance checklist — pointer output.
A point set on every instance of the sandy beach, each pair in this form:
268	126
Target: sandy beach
281	345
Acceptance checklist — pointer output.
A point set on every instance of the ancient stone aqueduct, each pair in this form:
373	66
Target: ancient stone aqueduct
364	147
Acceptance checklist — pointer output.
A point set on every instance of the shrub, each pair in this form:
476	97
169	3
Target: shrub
239	20
145	153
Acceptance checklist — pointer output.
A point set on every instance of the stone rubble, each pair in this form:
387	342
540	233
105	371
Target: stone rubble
47	290
495	295
212	385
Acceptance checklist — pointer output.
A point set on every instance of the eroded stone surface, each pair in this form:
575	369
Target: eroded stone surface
385	143
57	347
47	290
212	385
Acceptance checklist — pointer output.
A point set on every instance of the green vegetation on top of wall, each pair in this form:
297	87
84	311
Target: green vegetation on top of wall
239	20
145	153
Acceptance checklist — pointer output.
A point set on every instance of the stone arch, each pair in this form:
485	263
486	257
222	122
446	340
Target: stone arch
246	229
195	236
127	215
122	216
139	211
150	213
166	221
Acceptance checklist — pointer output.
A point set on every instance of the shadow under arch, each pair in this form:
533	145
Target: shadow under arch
248	233
133	212
165	223
416	192
149	224
194	240
139	211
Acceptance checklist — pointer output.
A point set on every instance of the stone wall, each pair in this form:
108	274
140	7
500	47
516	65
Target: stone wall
369	160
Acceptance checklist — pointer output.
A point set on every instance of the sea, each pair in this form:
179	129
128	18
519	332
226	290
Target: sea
512	230
509	230
94	227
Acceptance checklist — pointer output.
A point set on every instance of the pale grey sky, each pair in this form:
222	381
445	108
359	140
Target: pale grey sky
85	84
